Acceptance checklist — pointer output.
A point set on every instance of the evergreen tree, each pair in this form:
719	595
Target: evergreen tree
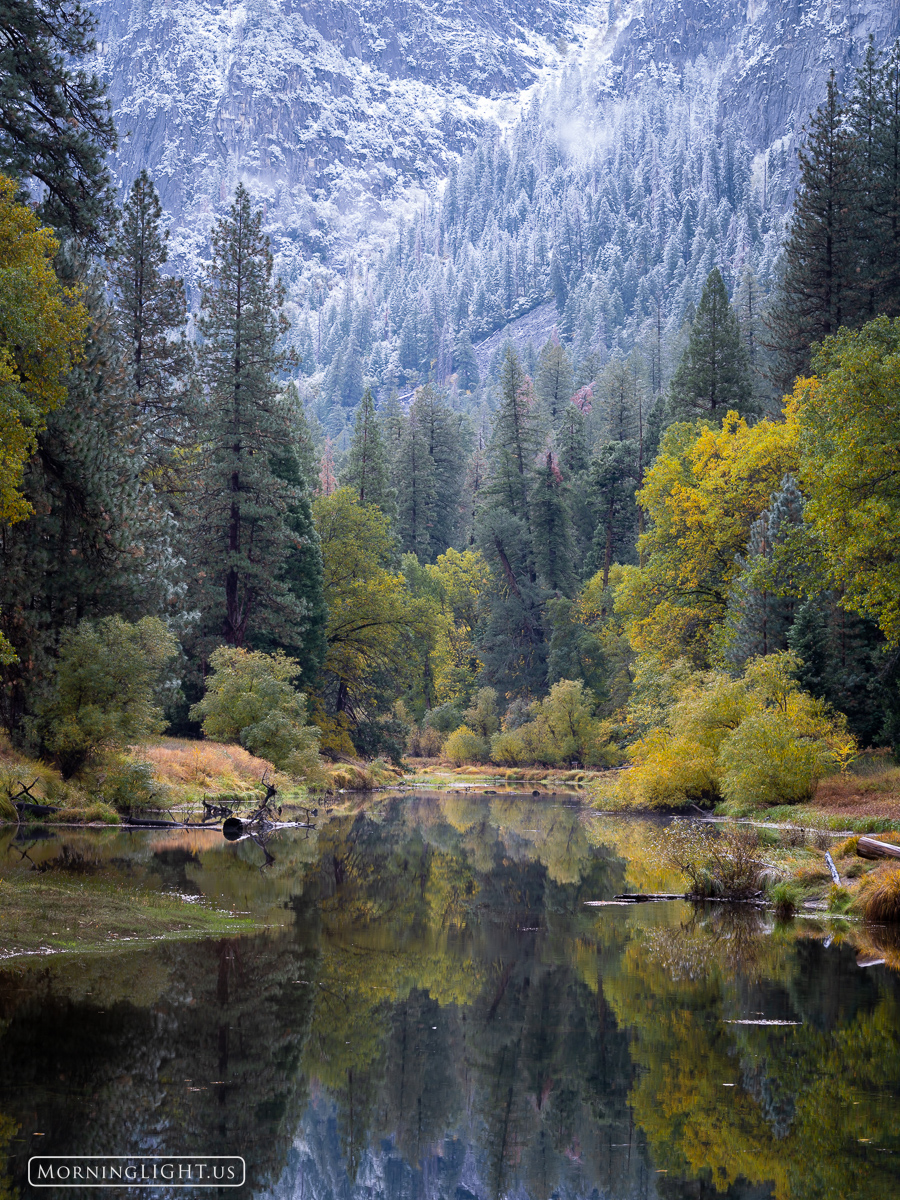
713	376
612	483
152	312
465	364
514	441
874	115
550	527
554	381
300	573
416	489
820	289
55	121
760	607
366	467
302	439
243	506
512	642
98	541
448	436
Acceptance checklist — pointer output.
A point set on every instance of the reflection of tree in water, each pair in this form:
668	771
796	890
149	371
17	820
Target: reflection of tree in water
145	1076
787	1111
467	1027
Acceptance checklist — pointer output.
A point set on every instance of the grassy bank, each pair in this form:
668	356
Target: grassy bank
172	775
42	913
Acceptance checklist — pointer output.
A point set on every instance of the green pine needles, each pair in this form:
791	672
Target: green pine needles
246	496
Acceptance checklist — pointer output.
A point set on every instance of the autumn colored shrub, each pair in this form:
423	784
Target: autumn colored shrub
756	740
465	746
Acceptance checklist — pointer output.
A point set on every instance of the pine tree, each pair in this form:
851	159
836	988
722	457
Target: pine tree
612	483
416	491
713	376
550	527
302	439
55	120
512	641
98	541
874	116
301	570
449	437
366	466
243	507
554	381
514	441
819	290
152	312
465	364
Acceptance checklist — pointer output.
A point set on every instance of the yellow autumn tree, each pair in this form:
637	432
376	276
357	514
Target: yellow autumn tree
700	497
42	327
376	628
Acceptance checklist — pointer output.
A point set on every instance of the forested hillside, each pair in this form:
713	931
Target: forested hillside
664	530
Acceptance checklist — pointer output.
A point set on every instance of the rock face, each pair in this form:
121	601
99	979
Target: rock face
327	110
342	115
771	57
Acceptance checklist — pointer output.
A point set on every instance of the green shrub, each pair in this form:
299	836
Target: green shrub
465	746
250	699
508	748
444	718
769	760
483	717
563	727
104	693
128	785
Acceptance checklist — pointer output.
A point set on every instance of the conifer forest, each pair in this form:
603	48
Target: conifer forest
606	422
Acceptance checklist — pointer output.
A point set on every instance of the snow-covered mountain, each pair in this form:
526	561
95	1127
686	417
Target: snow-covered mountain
336	115
346	120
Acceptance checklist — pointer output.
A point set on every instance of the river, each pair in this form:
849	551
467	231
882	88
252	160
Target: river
434	1011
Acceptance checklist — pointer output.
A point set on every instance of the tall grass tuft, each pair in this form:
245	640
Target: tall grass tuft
880	896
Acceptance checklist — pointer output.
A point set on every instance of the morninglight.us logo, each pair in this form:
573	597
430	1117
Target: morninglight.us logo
137	1170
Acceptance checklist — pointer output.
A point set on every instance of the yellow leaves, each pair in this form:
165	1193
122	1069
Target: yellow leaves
42	328
701	496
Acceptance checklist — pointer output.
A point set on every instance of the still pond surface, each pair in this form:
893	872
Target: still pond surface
435	1013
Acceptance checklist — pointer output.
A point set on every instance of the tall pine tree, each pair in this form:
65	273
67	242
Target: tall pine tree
713	376
366	465
151	312
244	507
820	287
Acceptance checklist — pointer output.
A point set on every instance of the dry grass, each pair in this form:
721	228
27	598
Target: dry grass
879	896
876	794
208	766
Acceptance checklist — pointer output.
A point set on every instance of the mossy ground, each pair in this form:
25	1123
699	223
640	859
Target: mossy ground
42	913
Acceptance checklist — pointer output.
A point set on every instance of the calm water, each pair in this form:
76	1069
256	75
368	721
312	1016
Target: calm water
436	1013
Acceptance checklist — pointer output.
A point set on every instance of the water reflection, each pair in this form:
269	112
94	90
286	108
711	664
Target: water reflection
434	1012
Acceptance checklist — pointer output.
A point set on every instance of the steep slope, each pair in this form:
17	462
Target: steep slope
329	111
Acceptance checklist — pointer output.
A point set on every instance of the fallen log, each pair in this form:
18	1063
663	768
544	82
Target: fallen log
868	847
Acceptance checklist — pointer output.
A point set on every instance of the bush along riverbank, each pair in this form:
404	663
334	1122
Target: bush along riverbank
789	868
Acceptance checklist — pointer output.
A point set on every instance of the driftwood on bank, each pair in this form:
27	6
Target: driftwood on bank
868	847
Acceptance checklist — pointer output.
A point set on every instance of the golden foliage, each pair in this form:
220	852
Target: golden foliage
701	496
42	327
